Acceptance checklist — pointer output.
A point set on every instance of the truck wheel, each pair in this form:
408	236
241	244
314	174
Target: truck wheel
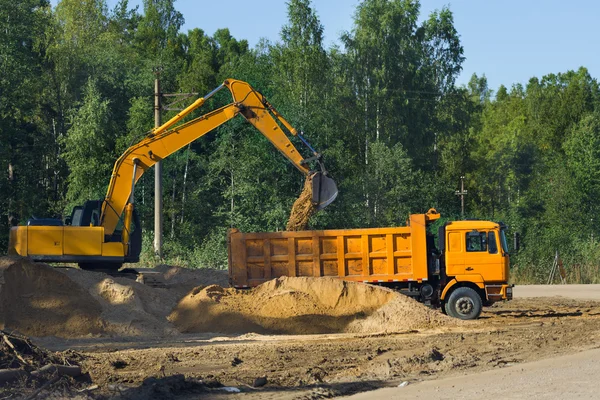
464	303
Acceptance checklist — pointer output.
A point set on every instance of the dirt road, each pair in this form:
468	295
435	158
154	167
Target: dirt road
324	366
582	292
571	376
567	377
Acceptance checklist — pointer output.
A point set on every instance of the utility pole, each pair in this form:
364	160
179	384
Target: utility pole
158	203
158	191
462	192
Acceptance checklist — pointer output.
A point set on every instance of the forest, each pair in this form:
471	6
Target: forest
396	130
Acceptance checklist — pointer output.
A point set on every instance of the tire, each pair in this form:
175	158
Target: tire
464	303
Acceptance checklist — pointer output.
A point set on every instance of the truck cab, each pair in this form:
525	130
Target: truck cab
474	257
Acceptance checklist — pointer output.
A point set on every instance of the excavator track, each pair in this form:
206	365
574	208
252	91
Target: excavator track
146	276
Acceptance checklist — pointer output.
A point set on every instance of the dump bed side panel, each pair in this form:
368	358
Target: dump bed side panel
366	255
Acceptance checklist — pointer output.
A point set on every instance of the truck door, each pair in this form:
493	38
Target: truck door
482	254
455	253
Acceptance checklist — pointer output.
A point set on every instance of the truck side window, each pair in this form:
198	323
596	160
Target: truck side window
476	241
454	242
492	245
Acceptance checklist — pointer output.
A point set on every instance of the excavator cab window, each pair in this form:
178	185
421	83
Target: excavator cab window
87	215
95	218
76	216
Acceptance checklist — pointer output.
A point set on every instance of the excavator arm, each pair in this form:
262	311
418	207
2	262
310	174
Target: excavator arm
90	236
167	139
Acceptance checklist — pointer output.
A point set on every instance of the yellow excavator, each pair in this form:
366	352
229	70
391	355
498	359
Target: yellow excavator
104	234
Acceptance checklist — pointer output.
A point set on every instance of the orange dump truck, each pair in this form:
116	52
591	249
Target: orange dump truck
467	270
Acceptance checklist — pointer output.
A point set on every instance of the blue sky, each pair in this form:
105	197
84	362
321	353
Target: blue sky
509	41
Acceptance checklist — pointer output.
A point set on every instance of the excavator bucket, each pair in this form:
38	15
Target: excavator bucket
324	190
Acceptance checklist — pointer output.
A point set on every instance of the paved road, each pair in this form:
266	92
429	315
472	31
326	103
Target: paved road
568	377
581	292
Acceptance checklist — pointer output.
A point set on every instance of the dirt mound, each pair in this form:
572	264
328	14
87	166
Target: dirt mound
302	306
186	279
39	300
128	308
302	209
401	314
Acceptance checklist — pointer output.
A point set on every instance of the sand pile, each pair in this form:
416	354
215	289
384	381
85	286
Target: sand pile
39	300
303	306
177	278
302	209
128	308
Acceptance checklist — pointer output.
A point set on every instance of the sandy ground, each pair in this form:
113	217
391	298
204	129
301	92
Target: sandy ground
572	376
567	377
141	344
583	292
332	365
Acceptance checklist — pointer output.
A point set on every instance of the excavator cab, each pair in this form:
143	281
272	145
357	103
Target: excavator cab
81	239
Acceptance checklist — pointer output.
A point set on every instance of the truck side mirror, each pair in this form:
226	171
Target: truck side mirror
516	241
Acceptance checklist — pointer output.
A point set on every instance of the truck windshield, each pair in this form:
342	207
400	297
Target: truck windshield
503	240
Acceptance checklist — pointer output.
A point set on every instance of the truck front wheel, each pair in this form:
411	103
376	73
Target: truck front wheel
464	303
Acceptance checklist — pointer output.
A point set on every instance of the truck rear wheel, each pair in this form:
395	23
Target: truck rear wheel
464	303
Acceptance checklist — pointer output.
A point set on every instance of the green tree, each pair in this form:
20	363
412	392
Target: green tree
158	28
301	64
89	148
392	185
400	70
27	155
582	149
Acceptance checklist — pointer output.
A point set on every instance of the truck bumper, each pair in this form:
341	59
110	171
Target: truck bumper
498	292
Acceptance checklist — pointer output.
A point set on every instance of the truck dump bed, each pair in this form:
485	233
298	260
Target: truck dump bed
364	255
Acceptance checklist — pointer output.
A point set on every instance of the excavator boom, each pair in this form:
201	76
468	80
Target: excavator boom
95	224
165	140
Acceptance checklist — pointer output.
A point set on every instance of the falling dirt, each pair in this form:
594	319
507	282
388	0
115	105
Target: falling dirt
303	306
302	209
